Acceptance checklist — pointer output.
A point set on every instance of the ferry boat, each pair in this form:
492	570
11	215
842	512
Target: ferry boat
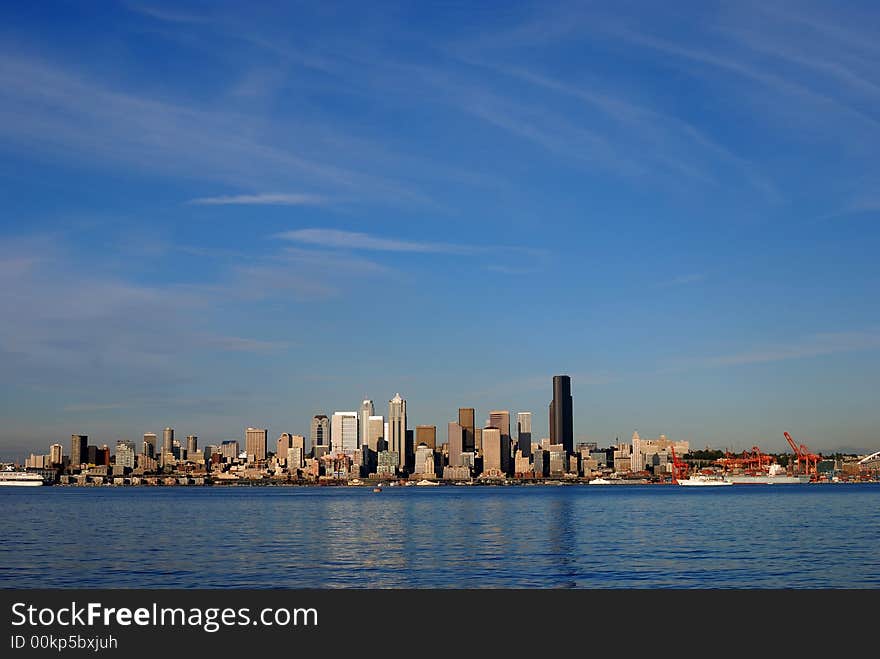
775	475
20	478
704	480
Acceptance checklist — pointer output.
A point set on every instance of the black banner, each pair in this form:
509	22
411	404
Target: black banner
400	622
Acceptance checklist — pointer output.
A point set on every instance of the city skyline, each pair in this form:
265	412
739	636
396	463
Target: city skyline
202	202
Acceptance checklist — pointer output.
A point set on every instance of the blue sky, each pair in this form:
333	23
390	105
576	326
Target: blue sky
216	215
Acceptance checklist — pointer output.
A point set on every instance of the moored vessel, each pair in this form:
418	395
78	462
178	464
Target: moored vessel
20	478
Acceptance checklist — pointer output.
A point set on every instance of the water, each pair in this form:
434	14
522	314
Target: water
445	537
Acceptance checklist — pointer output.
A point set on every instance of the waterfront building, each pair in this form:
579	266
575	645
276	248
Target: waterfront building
396	437
460	473
558	460
151	445
387	463
366	412
125	454
376	433
522	465
561	423
426	435
344	432
78	448
493	465
56	454
454	443
320	432
524	433
255	443
466	421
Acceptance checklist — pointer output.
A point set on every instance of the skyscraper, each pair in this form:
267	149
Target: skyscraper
524	433
366	412
466	421
561	426
192	446
492	452
320	434
397	429
376	433
151	445
125	454
56	454
78	448
255	441
283	445
454	443
167	444
636	464
501	419
344	431
426	435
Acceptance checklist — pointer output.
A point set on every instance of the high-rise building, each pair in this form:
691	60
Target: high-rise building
376	433
478	441
344	432
424	461
364	422
426	435
396	437
151	445
229	449
125	452
56	454
296	456
524	433
320	434
192	446
492	452
501	419
561	425
255	441
454	443
637	462
78	448
466	421
283	445
168	440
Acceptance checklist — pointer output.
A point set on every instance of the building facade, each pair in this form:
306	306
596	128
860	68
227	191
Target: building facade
561	422
397	429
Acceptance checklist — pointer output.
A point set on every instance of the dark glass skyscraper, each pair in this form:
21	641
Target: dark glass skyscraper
466	421
561	426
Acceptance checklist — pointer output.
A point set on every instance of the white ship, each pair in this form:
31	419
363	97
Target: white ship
20	478
704	480
775	475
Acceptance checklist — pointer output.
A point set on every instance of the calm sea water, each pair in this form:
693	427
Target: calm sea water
446	537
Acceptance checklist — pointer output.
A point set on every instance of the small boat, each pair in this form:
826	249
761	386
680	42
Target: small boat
378	488
425	481
600	481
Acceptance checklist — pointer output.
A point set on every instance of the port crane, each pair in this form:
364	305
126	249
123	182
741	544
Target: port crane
679	468
803	455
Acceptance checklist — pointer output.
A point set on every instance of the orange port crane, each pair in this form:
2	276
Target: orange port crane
679	467
802	453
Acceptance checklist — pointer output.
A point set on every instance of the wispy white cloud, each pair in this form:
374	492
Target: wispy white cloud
337	239
265	199
814	345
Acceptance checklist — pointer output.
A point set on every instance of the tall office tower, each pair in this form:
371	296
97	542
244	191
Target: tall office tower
56	454
561	426
283	445
255	440
375	433
125	454
364	422
78	448
296	452
229	449
426	435
168	440
492	452
524	433
151	445
501	419
478	441
636	463
192	446
103	456
344	432
466	421
454	443
396	437
320	434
